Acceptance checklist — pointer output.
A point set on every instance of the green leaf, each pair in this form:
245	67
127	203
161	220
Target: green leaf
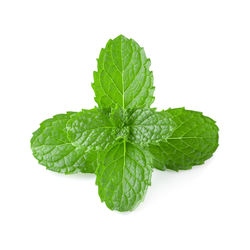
118	116
91	129
123	77
194	140
147	126
52	148
141	126
123	175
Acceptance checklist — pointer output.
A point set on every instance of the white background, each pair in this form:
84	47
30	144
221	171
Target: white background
200	53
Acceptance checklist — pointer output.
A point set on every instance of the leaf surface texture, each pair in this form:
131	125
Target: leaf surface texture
194	140
123	77
52	148
123	176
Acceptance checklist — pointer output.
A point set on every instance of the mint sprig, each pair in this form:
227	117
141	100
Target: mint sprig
123	139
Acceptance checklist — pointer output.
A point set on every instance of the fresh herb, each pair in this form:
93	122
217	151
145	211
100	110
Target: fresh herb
123	139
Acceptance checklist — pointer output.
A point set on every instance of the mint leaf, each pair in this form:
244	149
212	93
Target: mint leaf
148	126
123	77
90	162
123	175
194	140
141	126
52	148
118	116
91	129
